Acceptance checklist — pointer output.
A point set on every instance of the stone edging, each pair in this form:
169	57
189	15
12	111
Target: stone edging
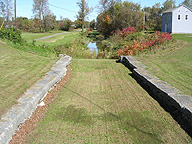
170	98
27	104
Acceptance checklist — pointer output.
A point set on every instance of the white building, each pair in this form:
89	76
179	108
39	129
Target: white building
177	20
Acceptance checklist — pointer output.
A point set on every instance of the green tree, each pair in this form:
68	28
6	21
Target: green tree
153	17
119	15
24	24
65	24
78	23
106	4
131	15
188	3
168	4
83	12
92	24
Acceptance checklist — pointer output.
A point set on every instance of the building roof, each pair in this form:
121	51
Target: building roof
172	9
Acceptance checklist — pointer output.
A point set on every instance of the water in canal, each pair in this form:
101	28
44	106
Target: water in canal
93	47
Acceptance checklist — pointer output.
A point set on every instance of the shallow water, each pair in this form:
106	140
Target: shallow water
93	47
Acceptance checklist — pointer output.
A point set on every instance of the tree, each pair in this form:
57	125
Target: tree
6	7
188	3
78	23
41	10
92	24
65	24
2	6
83	12
153	17
118	16
106	4
132	15
24	24
49	21
168	4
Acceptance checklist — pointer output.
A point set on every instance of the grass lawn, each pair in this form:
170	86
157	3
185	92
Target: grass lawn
18	71
173	65
60	39
31	36
102	103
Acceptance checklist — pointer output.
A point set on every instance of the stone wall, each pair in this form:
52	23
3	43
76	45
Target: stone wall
27	104
170	98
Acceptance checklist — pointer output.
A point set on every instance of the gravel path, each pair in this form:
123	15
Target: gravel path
52	35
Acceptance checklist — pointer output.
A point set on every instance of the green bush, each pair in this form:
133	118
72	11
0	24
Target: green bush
9	34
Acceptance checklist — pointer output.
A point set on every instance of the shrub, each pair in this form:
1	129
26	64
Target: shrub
135	44
9	34
124	32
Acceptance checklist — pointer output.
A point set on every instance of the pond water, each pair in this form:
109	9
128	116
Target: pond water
93	47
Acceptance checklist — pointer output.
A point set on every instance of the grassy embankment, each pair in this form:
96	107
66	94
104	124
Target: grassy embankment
18	71
23	65
70	43
173	65
102	103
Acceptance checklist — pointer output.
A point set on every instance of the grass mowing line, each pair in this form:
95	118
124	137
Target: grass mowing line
103	104
54	38
58	40
140	99
173	65
31	36
19	70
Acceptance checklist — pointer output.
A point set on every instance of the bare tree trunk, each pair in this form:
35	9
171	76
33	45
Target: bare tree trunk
44	24
40	22
82	27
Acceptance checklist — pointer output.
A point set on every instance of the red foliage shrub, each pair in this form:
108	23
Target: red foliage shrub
124	32
155	39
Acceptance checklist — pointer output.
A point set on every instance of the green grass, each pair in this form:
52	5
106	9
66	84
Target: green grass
63	39
31	36
173	65
18	71
71	43
102	103
183	37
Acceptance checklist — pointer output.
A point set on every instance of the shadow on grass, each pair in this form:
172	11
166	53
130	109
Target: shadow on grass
142	128
175	113
75	115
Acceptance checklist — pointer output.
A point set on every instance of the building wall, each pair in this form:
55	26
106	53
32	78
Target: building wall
182	25
166	23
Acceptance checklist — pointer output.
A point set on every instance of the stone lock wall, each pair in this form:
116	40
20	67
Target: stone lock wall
27	104
170	98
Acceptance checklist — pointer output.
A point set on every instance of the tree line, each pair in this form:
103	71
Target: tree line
43	19
115	14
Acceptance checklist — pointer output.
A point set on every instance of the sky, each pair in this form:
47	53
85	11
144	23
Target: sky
69	8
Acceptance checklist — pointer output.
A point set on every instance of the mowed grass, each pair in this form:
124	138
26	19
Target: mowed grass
18	71
31	36
62	39
102	103
173	65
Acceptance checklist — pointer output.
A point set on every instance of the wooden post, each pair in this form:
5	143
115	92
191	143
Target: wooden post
15	20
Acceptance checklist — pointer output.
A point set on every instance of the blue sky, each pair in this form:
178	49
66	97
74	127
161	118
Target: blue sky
24	7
